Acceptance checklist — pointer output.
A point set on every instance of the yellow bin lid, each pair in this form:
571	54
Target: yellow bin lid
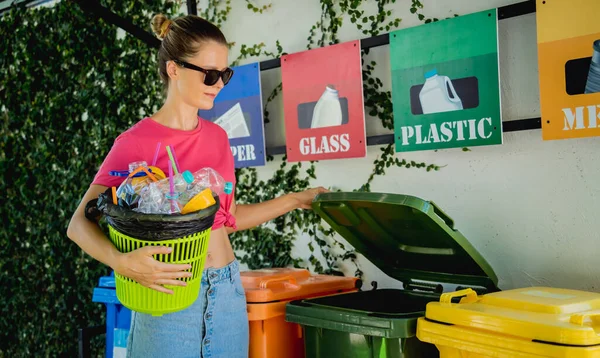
541	314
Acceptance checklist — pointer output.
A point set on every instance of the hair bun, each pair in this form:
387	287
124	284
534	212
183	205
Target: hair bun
161	25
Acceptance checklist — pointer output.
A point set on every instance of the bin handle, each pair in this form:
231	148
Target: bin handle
470	296
578	319
290	279
439	212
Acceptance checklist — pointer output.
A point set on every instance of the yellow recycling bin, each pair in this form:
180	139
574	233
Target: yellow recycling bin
523	323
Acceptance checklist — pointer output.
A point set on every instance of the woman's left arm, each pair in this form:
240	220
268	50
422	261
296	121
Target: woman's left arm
248	216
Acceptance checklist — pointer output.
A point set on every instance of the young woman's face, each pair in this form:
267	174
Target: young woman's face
189	83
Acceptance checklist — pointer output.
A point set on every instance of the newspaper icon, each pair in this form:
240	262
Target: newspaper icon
234	122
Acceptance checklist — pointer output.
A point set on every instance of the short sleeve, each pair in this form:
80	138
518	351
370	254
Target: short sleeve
125	150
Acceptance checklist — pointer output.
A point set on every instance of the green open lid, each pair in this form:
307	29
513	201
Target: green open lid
406	237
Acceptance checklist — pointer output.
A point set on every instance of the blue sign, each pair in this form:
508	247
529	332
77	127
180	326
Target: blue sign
238	110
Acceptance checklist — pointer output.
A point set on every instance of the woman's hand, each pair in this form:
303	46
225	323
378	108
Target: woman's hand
305	198
140	266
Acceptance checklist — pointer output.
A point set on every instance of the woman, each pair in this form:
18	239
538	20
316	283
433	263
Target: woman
192	64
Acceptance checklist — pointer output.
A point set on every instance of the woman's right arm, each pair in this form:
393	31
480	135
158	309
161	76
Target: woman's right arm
139	265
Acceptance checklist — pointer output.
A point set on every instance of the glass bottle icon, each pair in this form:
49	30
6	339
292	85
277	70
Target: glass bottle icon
328	110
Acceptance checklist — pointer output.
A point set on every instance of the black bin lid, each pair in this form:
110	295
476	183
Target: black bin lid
406	237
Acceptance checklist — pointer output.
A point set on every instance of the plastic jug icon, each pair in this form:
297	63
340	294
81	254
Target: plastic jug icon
328	110
434	95
593	80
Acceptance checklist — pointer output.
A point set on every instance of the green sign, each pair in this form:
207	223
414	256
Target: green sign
445	84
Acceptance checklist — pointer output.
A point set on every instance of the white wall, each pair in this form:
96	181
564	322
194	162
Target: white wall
530	207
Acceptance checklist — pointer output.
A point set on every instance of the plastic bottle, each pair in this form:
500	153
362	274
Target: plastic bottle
152	200
593	80
434	95
156	197
328	111
128	193
207	178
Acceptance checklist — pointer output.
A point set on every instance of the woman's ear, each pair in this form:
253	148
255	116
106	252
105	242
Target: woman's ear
172	70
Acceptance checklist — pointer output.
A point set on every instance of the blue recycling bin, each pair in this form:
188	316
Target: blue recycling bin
118	317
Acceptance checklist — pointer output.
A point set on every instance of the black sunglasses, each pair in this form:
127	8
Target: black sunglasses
210	76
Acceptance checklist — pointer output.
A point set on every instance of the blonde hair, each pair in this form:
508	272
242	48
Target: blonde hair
161	26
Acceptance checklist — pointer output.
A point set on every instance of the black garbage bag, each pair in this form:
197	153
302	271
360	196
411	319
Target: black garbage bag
154	227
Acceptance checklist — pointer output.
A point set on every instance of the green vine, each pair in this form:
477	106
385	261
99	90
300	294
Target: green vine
255	51
332	19
371	25
388	159
415	8
257	9
216	11
378	103
248	51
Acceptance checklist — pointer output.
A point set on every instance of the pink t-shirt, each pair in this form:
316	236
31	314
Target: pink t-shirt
205	146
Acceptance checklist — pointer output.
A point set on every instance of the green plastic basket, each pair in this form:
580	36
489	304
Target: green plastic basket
190	249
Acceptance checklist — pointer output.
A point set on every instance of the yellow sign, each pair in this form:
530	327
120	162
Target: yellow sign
568	34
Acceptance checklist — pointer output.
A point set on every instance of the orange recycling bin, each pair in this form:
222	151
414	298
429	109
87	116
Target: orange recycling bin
267	293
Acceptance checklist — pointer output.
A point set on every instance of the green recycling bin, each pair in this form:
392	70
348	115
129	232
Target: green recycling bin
411	240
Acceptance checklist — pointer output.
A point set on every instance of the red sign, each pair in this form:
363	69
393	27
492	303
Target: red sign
323	103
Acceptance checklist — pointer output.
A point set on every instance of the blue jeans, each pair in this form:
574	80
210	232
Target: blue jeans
216	325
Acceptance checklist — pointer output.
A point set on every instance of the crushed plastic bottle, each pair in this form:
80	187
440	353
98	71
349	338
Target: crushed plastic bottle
156	197
207	178
128	193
